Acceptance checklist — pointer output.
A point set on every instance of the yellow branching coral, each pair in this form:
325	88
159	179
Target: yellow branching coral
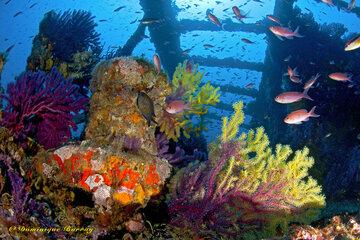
259	190
230	129
186	87
260	173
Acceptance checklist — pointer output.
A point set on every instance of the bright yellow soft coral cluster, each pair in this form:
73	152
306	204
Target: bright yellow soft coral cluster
256	170
198	98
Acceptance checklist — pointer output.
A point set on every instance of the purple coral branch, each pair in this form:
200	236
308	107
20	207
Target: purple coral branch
41	106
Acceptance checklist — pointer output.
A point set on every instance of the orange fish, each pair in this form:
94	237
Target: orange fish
342	77
353	44
285	32
291	97
293	75
176	106
292	72
215	20
238	14
311	81
157	63
299	116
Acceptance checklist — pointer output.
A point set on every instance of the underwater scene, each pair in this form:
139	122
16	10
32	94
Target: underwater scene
180	119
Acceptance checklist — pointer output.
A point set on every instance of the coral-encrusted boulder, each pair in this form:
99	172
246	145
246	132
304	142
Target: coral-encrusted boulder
118	161
114	114
113	177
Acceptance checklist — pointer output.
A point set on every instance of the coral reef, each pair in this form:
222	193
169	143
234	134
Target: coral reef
70	32
18	207
40	106
245	189
104	181
186	87
336	229
111	176
114	113
69	42
182	152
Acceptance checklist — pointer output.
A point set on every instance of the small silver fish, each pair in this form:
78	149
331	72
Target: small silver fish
150	21
146	107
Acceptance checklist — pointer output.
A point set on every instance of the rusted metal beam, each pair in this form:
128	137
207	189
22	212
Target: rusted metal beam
188	25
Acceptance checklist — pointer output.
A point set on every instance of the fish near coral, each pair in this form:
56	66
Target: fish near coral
146	107
299	116
157	63
176	106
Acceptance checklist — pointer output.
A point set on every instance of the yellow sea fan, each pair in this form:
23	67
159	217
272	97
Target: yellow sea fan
231	128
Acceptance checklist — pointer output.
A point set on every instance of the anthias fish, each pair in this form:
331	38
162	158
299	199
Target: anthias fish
157	63
291	97
273	19
285	32
353	44
342	77
146	107
214	19
311	81
293	75
238	14
300	116
176	106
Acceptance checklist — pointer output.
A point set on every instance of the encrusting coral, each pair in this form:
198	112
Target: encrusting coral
245	188
186	87
111	175
114	113
336	229
40	106
117	165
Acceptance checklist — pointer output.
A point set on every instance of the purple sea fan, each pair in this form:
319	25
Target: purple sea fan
41	106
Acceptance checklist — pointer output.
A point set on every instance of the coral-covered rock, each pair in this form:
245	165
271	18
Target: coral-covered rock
114	113
111	176
336	229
